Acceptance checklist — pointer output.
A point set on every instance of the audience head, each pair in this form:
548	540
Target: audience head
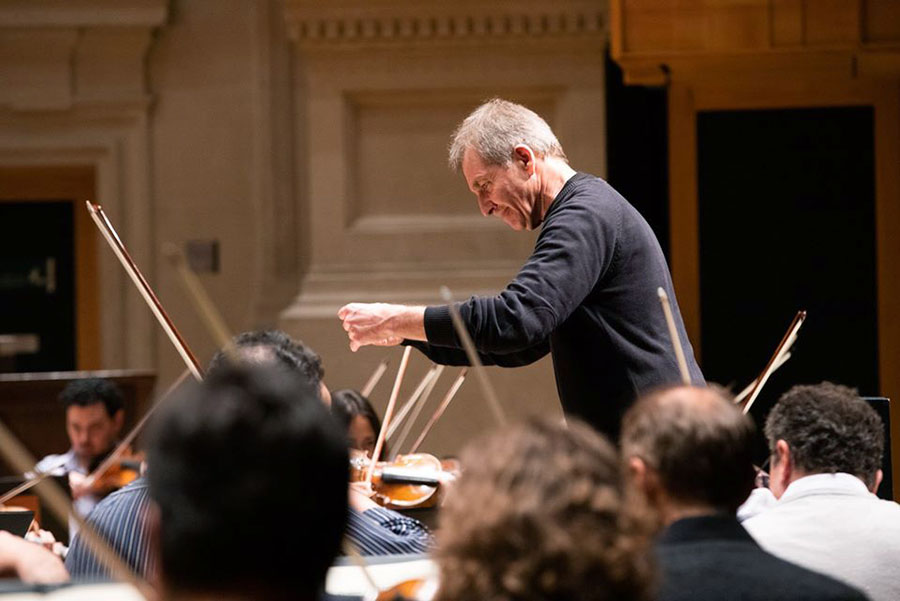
824	429
249	447
688	451
94	416
356	414
276	347
538	514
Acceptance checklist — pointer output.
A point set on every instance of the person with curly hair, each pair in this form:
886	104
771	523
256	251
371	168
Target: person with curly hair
687	453
537	515
826	445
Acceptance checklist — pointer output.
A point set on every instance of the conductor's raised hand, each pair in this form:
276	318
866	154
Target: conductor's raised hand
370	323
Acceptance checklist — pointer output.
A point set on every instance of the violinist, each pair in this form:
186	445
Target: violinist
356	413
372	529
94	418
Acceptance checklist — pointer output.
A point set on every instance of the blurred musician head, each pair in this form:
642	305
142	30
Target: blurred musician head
824	429
248	471
356	413
276	347
688	451
94	417
538	514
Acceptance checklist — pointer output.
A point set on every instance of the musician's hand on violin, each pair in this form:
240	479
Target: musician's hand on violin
360	496
30	562
381	324
78	484
44	538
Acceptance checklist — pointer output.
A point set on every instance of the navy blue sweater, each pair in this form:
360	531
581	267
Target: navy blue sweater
587	295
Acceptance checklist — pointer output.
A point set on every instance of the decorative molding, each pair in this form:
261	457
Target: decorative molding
381	21
75	92
57	54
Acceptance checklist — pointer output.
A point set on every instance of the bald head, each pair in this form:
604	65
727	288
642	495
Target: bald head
697	442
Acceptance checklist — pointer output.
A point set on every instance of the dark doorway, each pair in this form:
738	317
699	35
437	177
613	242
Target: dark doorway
37	284
637	148
787	222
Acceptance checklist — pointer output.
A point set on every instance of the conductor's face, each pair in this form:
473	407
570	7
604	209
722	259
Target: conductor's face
507	191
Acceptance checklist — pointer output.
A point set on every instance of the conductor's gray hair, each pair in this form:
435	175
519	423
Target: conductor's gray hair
495	128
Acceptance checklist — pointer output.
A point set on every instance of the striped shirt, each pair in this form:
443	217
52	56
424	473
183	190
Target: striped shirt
380	531
121	519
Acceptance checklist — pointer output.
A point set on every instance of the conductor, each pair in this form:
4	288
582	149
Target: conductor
587	293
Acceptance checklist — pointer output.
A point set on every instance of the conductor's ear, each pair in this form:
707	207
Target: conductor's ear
523	157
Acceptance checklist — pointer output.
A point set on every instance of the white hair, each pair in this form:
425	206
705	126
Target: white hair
495	128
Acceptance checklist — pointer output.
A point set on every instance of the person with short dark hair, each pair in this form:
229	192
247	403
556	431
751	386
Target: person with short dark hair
826	445
94	417
356	414
687	453
249	447
538	514
275	346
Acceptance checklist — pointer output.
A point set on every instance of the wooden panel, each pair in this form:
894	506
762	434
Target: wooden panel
832	22
76	184
787	23
887	223
881	21
684	232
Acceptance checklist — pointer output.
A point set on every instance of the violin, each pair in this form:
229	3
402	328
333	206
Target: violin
417	589
107	475
409	481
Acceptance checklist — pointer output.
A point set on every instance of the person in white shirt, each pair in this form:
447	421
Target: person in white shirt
826	445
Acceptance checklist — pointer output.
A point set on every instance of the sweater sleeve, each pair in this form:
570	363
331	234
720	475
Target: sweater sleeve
443	355
573	251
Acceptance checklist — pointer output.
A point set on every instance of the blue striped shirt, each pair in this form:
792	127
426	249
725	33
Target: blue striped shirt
121	518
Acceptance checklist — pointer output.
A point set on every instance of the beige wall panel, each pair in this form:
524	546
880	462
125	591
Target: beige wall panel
388	220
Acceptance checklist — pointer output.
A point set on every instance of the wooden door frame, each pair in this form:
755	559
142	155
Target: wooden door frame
75	184
688	98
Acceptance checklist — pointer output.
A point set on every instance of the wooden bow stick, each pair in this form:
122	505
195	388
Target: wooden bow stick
418	410
52	494
374	378
780	356
472	354
440	410
388	413
118	248
743	394
413	401
673	334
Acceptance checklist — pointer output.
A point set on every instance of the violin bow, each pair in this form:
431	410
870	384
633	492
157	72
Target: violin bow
379	444
673	334
52	494
440	410
129	438
743	394
777	359
413	399
472	354
418	410
115	243
38	476
374	378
